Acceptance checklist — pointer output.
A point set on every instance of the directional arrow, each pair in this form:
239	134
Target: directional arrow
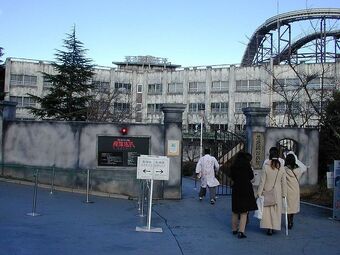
161	171
144	171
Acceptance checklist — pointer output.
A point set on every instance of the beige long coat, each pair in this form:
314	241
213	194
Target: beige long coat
293	189
271	216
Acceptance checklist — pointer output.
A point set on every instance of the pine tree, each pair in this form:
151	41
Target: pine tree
2	75
1	54
70	93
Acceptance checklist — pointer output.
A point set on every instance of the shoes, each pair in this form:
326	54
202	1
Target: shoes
212	201
269	232
241	235
201	198
235	232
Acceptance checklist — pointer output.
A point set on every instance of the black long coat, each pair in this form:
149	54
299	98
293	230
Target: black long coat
243	199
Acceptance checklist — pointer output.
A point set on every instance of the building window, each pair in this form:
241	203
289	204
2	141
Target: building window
175	88
23	80
155	88
140	88
218	86
314	84
219	107
239	127
196	107
282	107
154	108
315	107
221	127
240	105
23	101
123	87
287	84
121	107
47	83
195	127
102	86
279	107
197	87
248	85
292	83
138	107
328	83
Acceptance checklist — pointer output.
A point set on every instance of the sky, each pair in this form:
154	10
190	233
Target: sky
186	32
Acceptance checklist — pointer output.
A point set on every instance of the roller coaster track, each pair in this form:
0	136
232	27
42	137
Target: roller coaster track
281	20
286	53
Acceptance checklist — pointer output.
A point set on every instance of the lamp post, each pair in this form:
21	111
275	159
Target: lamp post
201	109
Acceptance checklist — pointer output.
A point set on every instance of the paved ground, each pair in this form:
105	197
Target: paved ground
69	226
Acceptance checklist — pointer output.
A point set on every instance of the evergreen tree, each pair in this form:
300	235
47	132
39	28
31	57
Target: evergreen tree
1	54
70	93
2	75
330	135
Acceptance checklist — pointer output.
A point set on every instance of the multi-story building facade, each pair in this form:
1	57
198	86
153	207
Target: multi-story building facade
222	91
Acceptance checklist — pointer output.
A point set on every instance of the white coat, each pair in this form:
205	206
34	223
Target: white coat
293	186
293	189
205	168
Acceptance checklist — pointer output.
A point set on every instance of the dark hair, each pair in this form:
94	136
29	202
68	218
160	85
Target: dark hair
243	156
274	157
274	150
207	151
290	161
240	162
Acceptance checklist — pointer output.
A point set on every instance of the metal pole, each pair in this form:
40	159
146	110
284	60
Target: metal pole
88	187
201	139
141	199
52	181
150	205
35	193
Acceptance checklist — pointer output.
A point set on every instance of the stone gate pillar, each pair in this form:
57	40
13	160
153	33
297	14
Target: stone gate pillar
255	136
173	149
7	112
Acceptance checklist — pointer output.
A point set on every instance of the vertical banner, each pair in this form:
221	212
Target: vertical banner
257	152
336	200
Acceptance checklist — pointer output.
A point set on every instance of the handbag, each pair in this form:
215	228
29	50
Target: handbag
270	196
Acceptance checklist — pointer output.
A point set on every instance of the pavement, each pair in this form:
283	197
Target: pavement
69	226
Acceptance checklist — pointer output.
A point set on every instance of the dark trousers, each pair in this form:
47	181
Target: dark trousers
212	192
290	220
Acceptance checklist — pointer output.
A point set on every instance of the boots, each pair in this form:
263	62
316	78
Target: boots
290	221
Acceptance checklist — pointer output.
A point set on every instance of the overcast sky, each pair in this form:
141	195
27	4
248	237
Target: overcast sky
186	32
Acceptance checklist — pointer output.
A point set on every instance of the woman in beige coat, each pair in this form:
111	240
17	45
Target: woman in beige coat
273	176
293	174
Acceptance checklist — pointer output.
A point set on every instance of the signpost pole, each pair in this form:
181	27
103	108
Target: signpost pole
150	205
152	168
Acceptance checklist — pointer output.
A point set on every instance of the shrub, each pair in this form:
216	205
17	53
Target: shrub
188	168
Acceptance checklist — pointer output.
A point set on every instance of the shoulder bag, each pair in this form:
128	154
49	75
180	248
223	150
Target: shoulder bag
270	196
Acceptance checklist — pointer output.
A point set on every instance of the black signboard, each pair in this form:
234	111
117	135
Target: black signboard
121	150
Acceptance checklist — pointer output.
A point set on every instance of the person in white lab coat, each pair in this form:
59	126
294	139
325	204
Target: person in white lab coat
205	169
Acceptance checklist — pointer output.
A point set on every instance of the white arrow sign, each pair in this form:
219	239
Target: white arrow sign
161	168
153	167
144	168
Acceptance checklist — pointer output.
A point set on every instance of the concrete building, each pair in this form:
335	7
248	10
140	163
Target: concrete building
221	90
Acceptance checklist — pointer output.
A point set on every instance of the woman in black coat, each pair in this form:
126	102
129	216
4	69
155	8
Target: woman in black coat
243	199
